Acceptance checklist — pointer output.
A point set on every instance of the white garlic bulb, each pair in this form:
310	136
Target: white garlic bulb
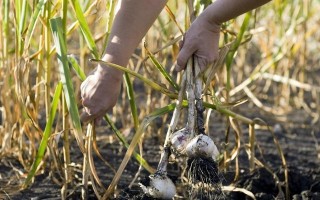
160	186
179	140
202	145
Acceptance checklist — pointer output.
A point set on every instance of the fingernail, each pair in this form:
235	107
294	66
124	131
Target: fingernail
84	117
178	68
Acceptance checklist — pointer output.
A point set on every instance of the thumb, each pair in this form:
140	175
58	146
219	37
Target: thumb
183	56
85	117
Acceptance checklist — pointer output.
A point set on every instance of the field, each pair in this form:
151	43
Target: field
262	106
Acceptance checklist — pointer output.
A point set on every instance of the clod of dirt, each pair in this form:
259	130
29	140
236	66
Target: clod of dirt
307	195
264	196
298	181
260	183
302	185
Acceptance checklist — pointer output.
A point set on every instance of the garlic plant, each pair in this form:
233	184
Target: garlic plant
202	170
159	185
190	141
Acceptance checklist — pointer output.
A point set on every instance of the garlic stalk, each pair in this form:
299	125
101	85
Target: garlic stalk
191	98
202	144
202	170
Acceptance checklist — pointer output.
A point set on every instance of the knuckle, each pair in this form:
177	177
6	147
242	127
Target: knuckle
212	58
180	60
181	43
92	113
85	102
184	55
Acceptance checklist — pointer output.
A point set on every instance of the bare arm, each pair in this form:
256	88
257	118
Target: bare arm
224	10
131	23
202	38
100	91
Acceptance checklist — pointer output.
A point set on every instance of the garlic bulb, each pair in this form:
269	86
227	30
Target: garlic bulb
179	140
159	186
202	145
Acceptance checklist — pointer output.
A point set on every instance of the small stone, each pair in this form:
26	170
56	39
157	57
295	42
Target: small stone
297	197
306	195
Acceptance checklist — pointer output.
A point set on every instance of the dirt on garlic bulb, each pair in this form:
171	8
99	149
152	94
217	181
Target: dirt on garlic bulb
202	145
179	140
160	186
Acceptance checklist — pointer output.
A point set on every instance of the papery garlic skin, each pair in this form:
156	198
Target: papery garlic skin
179	140
202	145
160	187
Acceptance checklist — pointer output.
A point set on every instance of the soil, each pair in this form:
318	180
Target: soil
298	140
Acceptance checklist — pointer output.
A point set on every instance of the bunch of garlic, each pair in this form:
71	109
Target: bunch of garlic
183	141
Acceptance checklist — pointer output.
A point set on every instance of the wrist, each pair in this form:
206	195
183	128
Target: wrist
106	70
212	16
208	21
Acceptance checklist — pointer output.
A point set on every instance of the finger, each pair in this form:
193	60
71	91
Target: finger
181	44
85	117
183	56
95	114
83	86
89	112
86	103
98	121
80	102
90	115
202	62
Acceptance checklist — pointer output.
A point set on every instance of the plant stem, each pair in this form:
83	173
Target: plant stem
191	98
66	149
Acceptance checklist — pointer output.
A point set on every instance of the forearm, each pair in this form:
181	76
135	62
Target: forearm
132	21
223	10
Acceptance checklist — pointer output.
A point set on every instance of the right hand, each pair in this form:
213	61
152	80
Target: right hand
99	92
201	41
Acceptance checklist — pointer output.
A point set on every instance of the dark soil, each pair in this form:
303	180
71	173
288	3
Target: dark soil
298	141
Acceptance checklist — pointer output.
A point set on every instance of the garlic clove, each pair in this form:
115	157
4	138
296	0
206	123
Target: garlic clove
159	186
179	140
202	145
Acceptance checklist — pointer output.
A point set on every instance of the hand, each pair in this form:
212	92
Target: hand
202	41
99	92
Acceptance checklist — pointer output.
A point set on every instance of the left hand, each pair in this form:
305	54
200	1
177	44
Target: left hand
99	92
